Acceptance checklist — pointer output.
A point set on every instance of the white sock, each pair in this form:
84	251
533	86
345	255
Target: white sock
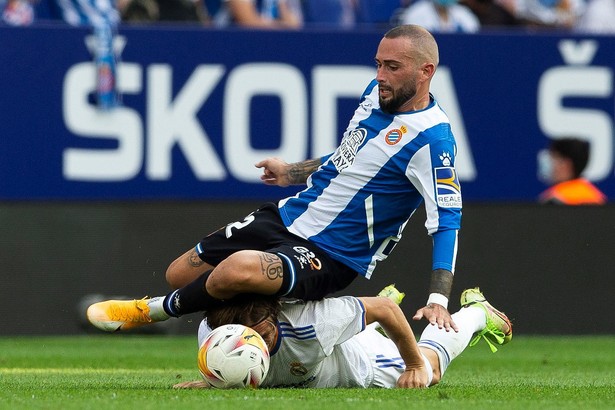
429	370
449	345
156	309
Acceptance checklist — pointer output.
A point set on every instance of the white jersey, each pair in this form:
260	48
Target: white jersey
325	344
358	202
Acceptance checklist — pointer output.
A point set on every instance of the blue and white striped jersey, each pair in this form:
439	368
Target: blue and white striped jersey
358	202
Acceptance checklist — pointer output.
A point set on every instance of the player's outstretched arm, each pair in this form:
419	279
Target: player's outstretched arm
436	311
389	315
278	172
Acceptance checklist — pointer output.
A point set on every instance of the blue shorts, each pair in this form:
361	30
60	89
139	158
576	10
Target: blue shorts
308	272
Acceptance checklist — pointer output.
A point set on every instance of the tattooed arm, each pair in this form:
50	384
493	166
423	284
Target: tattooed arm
278	172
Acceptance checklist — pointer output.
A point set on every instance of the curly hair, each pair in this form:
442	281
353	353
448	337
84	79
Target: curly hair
248	310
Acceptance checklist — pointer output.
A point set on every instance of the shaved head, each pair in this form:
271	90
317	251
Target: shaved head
425	46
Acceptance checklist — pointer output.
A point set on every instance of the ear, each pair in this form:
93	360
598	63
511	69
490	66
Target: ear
428	70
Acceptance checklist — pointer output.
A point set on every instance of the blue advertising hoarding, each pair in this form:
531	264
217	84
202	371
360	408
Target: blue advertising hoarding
201	106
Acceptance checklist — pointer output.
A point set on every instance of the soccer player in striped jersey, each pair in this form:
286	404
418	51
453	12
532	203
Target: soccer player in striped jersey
334	342
397	153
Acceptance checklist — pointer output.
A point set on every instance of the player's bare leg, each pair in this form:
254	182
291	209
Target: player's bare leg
242	272
246	272
185	269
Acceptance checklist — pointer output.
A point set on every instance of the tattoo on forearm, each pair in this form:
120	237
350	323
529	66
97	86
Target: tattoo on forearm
300	171
441	282
194	260
271	266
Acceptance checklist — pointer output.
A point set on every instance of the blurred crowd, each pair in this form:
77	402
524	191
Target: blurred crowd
449	16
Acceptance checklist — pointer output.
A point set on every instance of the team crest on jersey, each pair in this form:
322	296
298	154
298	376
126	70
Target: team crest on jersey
448	190
347	151
298	369
393	137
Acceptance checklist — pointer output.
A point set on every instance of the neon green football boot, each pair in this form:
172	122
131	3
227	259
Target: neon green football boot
392	293
395	295
498	330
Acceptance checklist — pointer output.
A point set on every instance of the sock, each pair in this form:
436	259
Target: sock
449	345
429	370
156	309
190	299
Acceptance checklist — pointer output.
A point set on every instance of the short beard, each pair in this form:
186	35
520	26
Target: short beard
403	96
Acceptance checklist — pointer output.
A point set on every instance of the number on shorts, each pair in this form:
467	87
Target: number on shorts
238	225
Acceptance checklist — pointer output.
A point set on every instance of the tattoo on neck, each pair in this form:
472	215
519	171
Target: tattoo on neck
271	265
441	282
300	171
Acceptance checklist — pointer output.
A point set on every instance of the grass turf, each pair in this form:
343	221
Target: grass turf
137	372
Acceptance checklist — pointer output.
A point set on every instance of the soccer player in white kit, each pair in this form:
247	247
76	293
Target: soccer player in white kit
334	342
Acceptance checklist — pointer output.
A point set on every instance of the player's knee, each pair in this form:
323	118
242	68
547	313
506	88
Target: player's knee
237	274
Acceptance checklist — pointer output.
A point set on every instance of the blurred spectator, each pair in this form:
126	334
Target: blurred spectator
256	13
329	13
599	17
140	11
561	166
492	13
17	12
441	16
557	14
93	13
144	11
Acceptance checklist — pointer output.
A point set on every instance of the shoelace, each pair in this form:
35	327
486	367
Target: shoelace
497	334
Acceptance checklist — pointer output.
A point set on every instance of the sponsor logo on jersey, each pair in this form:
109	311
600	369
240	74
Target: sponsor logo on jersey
347	151
448	191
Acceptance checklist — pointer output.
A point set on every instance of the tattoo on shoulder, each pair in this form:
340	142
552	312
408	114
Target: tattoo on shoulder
194	260
271	265
300	171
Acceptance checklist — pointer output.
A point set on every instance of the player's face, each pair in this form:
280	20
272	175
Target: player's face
397	74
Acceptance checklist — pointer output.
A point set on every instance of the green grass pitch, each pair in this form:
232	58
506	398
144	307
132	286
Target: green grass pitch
137	372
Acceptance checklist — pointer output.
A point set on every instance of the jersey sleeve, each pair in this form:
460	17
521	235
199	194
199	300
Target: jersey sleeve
337	320
432	172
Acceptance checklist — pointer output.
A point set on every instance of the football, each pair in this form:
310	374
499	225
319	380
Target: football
233	356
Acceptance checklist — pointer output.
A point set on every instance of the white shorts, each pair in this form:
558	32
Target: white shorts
387	364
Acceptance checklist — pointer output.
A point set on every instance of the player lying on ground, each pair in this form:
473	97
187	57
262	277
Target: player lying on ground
326	343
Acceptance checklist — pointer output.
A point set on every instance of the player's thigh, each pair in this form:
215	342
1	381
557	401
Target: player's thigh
246	271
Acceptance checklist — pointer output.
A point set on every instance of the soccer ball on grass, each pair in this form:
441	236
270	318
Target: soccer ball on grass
233	356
